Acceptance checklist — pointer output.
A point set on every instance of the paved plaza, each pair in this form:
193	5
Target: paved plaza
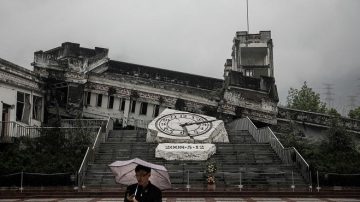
244	199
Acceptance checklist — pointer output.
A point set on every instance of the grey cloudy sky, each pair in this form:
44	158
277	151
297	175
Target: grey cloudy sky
314	41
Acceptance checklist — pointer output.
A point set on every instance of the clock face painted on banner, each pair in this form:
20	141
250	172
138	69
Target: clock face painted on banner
174	124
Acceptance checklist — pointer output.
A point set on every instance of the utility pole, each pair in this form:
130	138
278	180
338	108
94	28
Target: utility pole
247	15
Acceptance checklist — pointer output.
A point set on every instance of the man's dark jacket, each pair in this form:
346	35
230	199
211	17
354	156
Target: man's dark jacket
148	194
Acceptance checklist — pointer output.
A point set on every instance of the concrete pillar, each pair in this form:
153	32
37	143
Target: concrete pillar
126	113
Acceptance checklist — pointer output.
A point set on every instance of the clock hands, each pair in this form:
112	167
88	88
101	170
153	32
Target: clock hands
193	123
180	124
183	126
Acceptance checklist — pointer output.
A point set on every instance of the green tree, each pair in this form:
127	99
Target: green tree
333	112
338	138
54	151
305	99
335	154
354	113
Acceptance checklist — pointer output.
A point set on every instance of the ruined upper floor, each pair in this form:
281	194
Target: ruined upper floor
163	75
70	57
252	55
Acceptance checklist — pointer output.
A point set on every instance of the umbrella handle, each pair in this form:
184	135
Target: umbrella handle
136	189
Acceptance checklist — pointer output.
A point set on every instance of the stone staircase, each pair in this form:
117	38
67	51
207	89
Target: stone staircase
260	167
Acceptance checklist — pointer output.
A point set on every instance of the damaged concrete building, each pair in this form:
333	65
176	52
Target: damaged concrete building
84	82
71	81
22	101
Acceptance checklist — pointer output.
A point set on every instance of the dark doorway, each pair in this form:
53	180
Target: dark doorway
5	124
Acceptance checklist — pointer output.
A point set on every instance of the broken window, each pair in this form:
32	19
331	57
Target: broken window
133	105
37	103
143	108
88	98
23	107
111	102
156	110
122	105
19	106
249	72
99	100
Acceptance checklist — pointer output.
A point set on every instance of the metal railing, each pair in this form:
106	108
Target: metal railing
265	135
82	122
89	157
7	130
137	123
13	129
193	179
320	119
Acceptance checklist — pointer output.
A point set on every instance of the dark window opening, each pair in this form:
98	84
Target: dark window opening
143	108
99	100
122	104
19	106
156	110
111	102
37	107
88	98
133	105
23	107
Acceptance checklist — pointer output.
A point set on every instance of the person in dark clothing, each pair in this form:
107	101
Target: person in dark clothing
143	191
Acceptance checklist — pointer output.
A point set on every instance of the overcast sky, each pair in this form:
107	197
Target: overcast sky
314	41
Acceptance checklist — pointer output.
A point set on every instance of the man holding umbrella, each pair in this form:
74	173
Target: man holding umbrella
143	190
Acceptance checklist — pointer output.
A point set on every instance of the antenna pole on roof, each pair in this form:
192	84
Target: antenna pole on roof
247	14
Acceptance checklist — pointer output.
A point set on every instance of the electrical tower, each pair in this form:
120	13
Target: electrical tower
329	94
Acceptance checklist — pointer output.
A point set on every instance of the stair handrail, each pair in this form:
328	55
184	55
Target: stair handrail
89	157
82	169
266	135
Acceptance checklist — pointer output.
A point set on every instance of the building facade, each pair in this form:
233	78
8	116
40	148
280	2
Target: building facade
71	81
21	98
84	82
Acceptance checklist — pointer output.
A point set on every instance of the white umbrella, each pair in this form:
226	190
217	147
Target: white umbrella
124	172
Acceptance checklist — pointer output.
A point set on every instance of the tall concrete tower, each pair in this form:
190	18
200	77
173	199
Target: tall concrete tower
252	55
250	88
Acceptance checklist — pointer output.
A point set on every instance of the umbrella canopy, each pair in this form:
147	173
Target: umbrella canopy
124	172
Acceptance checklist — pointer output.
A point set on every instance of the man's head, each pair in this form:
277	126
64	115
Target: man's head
142	174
